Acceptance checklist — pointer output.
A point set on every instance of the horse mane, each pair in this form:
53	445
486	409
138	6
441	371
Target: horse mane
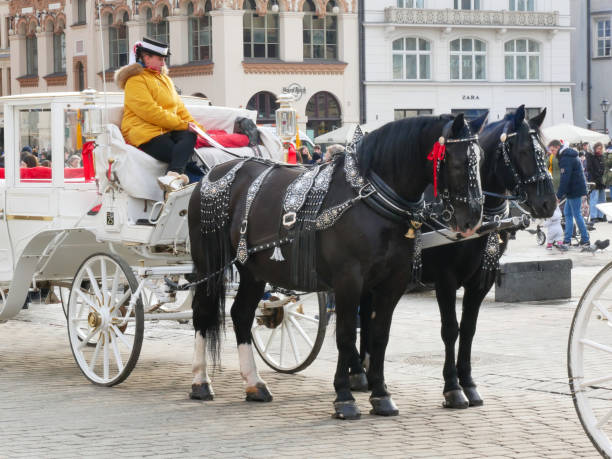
398	144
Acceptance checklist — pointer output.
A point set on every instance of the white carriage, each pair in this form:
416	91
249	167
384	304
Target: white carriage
106	237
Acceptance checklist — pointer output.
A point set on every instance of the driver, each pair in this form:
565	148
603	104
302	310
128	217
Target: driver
154	118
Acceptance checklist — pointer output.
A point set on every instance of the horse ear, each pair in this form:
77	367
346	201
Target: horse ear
458	124
536	121
519	117
477	124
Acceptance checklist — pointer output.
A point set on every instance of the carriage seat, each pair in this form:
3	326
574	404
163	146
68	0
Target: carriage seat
137	171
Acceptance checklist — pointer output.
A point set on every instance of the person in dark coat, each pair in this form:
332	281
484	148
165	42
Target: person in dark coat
572	186
596	171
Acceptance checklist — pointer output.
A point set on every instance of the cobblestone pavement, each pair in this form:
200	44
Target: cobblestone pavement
48	409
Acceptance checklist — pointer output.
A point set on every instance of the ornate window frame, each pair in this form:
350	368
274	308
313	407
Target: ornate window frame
472	53
462	4
118	46
199	28
320	31
261	32
531	55
422	54
521	5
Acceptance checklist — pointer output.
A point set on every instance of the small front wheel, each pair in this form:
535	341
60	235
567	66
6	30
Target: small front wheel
105	319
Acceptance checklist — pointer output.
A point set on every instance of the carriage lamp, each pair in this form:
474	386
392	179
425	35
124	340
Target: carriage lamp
92	115
286	118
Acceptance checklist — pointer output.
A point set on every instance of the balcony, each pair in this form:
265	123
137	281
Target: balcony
451	17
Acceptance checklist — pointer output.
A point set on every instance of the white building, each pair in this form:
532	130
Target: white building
441	56
592	63
238	53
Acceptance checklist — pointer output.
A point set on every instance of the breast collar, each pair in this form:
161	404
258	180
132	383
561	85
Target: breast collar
388	203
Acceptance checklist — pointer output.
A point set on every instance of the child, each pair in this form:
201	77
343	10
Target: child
554	238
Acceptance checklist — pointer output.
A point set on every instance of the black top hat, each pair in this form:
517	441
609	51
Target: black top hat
155	47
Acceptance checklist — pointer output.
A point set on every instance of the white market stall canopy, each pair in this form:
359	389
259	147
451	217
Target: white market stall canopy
345	134
573	134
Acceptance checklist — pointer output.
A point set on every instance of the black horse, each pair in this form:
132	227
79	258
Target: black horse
365	250
520	171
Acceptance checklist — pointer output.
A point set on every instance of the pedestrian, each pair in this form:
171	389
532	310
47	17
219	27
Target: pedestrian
306	156
29	160
154	118
316	154
554	233
572	186
596	171
74	162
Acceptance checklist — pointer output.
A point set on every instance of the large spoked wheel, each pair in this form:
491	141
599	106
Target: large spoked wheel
289	337
589	360
105	319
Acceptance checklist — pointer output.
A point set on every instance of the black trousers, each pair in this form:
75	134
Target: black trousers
174	148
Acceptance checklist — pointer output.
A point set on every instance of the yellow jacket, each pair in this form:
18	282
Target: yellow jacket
152	106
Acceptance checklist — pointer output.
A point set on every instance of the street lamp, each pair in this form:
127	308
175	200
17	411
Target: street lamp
605	105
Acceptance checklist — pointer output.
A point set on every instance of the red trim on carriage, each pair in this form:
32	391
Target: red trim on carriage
42	174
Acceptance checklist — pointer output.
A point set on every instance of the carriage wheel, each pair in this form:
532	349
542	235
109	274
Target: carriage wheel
105	319
589	355
289	338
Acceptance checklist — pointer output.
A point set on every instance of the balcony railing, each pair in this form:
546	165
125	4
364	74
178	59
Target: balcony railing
453	17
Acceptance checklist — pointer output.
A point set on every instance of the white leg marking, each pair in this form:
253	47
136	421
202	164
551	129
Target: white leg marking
198	368
248	370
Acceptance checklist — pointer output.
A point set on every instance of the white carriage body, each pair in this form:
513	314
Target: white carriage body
47	226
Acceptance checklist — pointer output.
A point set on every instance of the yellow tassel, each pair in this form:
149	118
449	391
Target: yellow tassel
410	233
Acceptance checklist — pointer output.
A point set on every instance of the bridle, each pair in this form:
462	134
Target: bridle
540	177
474	193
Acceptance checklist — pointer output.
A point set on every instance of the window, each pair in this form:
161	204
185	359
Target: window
118	42
530	112
80	77
603	38
522	5
410	3
401	113
35	136
78	167
265	104
468	59
31	55
320	33
158	30
467	4
261	34
59	52
411	59
323	112
522	60
199	34
81	12
470	113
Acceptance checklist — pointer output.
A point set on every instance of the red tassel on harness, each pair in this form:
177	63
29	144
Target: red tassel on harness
435	155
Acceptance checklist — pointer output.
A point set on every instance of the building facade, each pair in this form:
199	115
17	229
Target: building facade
592	62
238	53
442	56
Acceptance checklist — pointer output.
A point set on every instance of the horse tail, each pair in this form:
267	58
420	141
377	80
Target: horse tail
211	253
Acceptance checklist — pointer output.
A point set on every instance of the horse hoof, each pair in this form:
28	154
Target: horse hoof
455	399
346	410
473	396
359	382
201	392
383	406
258	393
